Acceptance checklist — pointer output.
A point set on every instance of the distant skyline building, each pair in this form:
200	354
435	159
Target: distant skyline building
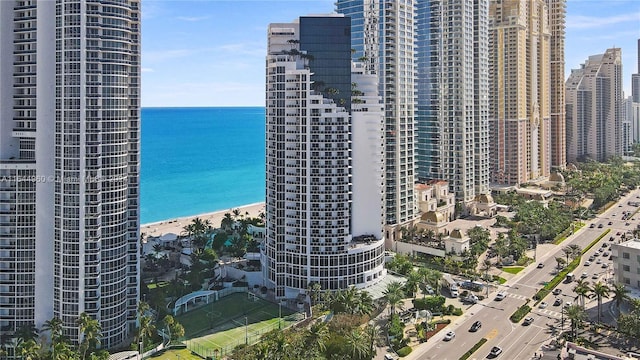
633	113
324	164
69	165
453	95
594	105
520	76
557	10
389	27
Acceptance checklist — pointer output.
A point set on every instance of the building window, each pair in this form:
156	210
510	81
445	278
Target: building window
625	255
625	268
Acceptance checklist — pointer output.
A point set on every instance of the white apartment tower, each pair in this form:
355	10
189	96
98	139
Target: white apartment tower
324	161
594	103
383	36
69	164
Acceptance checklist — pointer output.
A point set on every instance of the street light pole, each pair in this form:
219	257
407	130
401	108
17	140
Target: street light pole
246	331
280	314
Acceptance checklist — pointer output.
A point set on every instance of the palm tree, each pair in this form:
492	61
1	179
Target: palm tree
567	251
581	289
91	333
373	332
29	349
413	279
560	262
620	294
600	290
394	295
317	336
357	344
576	315
54	326
364	302
26	333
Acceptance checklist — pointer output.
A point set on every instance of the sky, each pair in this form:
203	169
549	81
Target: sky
212	52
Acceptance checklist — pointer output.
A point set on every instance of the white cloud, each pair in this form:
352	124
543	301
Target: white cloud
193	18
589	22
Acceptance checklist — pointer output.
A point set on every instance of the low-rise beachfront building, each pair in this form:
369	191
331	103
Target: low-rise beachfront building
626	264
324	161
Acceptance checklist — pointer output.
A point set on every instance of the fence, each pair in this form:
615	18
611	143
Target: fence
251	335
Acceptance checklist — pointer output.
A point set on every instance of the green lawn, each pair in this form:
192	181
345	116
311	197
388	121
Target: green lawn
159	284
175	354
512	269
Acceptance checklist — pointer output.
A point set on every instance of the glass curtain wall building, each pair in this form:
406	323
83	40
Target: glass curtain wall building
383	37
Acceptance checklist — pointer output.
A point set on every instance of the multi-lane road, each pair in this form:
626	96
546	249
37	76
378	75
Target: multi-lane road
519	341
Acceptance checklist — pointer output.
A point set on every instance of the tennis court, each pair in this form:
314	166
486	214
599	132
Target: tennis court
233	320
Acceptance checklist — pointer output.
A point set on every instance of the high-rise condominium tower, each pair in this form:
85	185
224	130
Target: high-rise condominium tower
557	14
519	68
69	164
383	36
324	161
594	96
634	107
453	87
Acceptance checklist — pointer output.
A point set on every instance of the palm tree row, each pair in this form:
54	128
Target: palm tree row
600	291
29	346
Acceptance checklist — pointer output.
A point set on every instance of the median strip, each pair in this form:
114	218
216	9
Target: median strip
473	349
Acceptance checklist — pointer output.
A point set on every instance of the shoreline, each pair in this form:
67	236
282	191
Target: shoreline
175	225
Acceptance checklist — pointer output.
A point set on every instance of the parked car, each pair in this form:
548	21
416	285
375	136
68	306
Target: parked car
599	226
475	326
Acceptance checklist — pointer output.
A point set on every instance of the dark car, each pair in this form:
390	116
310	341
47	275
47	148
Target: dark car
592	226
557	302
599	226
495	351
610	223
557	291
476	326
540	265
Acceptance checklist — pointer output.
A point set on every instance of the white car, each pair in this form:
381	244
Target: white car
501	295
543	305
449	336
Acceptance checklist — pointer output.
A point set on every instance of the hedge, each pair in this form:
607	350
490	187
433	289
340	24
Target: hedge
569	268
520	313
404	351
473	349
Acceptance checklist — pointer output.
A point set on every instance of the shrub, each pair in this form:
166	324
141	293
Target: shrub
457	311
473	349
520	313
404	351
396	328
431	303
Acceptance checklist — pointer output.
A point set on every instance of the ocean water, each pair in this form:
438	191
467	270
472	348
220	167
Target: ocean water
198	160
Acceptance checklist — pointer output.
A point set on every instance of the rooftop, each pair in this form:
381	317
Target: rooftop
633	243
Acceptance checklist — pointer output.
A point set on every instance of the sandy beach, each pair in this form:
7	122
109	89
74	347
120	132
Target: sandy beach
176	225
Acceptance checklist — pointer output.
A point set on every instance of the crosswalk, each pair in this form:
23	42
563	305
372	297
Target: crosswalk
517	296
548	312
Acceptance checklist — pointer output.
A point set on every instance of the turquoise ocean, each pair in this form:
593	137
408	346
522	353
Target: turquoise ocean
199	160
